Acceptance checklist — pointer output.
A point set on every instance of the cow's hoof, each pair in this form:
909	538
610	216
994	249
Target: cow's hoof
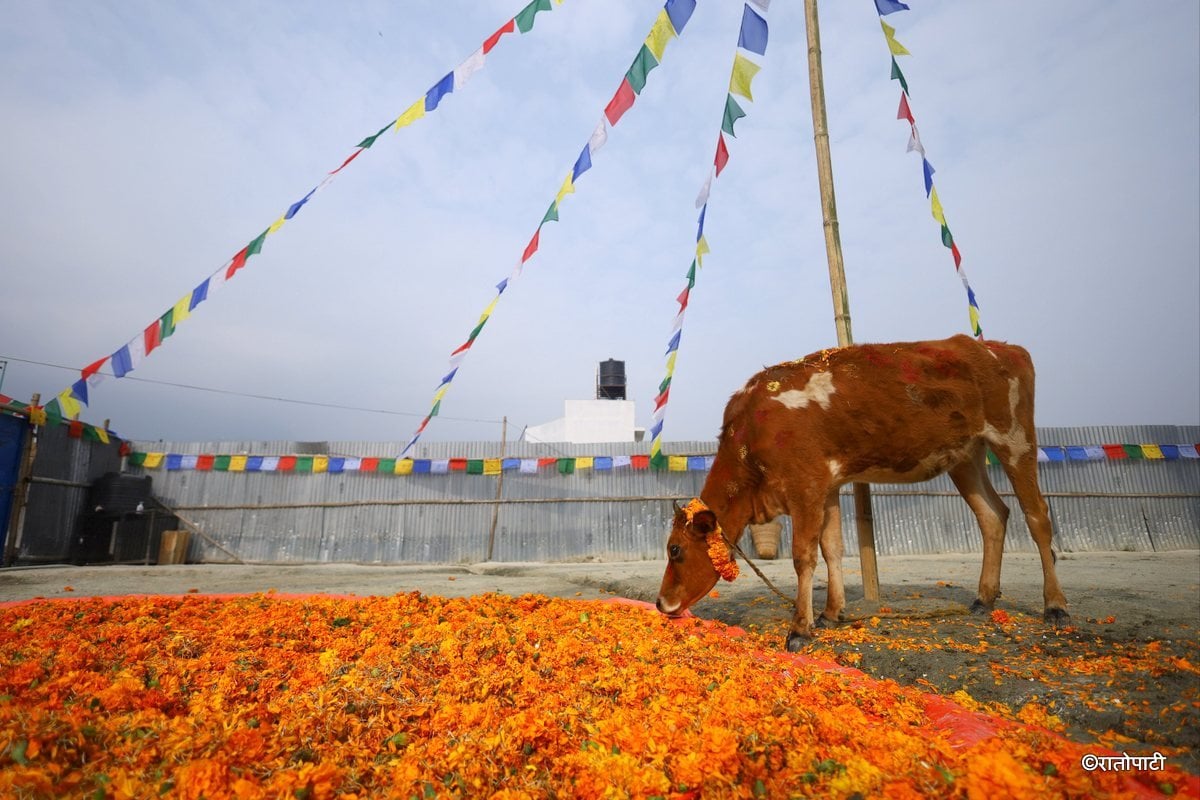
797	642
1058	617
822	622
979	607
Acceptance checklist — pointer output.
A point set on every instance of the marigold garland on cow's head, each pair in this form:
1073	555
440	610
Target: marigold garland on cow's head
718	548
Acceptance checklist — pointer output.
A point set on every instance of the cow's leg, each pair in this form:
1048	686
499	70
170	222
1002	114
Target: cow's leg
1022	473
806	530
832	550
971	479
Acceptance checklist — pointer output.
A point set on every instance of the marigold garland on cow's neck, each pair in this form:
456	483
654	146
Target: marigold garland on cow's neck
718	548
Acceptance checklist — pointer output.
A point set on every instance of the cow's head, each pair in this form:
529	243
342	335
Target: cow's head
697	556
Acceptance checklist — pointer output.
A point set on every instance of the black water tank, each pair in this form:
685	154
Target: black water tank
117	493
611	385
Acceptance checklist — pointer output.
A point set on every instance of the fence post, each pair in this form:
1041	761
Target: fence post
499	488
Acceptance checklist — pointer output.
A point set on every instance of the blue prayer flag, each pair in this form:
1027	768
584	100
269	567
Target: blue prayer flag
336	464
680	11
199	295
695	463
79	390
753	36
442	88
291	212
602	462
582	164
174	461
422	465
254	464
928	170
674	343
122	364
1077	453
886	7
656	430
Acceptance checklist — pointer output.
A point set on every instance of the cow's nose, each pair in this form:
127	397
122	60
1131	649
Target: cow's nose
665	607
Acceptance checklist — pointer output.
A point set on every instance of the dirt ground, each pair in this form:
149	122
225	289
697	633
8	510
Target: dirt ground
1125	675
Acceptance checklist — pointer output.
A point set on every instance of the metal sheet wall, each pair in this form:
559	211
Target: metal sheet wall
372	518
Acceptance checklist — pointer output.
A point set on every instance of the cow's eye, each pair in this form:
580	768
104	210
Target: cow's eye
675	551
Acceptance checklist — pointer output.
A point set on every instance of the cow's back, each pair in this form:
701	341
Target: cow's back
880	412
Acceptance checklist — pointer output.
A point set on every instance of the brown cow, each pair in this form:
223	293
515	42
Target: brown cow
885	413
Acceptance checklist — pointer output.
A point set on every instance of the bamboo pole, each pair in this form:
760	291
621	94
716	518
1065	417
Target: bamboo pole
863	517
499	489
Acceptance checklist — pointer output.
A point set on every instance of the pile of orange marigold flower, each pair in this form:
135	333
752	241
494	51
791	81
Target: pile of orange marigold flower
420	696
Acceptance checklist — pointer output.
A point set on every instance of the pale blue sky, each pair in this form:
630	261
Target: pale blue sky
146	142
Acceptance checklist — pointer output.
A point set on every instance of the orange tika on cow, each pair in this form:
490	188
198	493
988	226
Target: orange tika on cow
883	413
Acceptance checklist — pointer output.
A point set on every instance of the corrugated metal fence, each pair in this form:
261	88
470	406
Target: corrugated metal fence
291	517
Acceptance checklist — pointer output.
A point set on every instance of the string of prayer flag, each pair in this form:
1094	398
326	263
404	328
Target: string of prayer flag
904	112
69	403
752	36
668	24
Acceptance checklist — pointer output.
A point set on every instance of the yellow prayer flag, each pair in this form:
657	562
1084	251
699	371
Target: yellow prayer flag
440	393
180	311
403	466
744	71
102	435
277	224
1152	451
677	463
411	114
936	205
660	34
656	446
69	405
584	462
487	312
153	460
889	33
491	466
701	249
974	318
671	362
568	187
237	463
320	463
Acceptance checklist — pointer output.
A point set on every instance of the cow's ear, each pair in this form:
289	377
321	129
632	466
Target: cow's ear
675	505
704	522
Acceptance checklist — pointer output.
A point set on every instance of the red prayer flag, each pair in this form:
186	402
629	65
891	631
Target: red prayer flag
1115	451
622	101
661	400
957	255
458	465
683	299
639	462
237	263
722	154
93	368
353	156
905	112
532	247
495	37
204	462
152	336
369	465
547	462
75	431
287	463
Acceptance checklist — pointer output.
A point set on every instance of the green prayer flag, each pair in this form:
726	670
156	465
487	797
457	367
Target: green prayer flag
54	412
474	466
1134	451
733	112
642	64
304	464
255	247
991	459
221	463
551	214
436	408
691	276
167	324
566	466
524	18
137	459
947	239
387	465
658	460
478	328
897	75
662	387
370	140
